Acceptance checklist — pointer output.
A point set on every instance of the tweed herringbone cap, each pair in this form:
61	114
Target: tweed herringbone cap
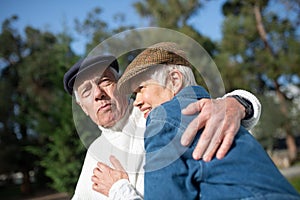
161	53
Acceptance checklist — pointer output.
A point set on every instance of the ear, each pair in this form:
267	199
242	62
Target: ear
177	80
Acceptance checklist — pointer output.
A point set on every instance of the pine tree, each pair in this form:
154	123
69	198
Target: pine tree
260	47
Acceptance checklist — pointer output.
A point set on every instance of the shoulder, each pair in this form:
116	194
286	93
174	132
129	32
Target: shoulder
170	110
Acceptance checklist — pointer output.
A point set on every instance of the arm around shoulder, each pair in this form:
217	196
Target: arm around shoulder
252	121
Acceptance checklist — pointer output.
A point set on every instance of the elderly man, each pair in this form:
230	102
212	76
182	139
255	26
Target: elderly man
93	83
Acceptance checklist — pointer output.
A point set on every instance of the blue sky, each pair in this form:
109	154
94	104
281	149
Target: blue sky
53	14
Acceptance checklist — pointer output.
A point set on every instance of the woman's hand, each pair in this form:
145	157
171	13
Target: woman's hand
104	176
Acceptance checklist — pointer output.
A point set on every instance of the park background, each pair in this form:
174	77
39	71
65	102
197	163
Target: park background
254	43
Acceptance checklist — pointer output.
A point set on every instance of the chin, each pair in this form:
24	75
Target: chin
108	123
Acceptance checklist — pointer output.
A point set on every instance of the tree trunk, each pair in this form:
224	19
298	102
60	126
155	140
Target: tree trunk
290	140
26	187
292	147
261	29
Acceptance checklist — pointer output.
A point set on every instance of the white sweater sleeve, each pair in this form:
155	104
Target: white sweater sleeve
249	123
123	190
84	184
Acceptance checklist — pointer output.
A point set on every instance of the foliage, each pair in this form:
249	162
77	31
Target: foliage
37	130
174	14
14	131
295	181
51	117
40	125
259	48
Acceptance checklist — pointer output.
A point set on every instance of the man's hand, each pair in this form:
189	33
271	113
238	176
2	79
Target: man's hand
220	119
104	176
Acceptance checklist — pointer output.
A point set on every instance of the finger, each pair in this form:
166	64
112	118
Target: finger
193	107
221	141
230	128
97	175
226	145
103	167
212	149
95	186
97	171
116	163
94	178
209	140
203	142
192	129
215	134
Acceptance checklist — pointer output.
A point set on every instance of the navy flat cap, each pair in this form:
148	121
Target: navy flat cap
84	65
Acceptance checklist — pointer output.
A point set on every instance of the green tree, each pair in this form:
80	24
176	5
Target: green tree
96	31
50	116
14	131
175	15
37	130
258	48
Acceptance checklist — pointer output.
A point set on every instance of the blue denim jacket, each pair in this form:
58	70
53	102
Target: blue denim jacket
246	172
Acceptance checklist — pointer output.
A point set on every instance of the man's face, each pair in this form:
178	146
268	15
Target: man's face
98	98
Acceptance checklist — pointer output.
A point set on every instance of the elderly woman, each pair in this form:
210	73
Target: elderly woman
164	84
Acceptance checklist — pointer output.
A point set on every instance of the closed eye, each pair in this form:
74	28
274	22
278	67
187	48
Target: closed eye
86	92
105	82
84	89
137	90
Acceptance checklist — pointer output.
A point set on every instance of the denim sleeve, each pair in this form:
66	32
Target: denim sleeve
167	170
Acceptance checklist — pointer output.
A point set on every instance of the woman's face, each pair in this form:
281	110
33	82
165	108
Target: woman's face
150	94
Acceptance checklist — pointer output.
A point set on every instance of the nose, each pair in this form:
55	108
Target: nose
138	101
99	93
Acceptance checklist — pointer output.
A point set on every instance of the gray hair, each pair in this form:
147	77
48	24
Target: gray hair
160	73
